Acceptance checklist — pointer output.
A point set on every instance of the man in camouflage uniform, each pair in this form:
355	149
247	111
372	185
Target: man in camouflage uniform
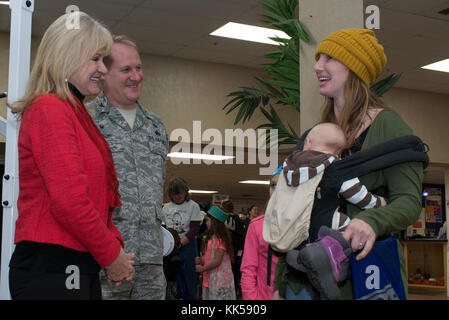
139	146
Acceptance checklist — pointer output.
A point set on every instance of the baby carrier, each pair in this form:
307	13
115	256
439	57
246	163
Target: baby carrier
288	218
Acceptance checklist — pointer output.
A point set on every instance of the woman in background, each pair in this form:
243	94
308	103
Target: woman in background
184	215
253	212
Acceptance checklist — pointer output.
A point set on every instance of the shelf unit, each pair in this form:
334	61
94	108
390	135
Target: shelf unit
429	256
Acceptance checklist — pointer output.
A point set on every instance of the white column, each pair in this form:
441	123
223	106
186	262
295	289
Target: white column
321	17
19	69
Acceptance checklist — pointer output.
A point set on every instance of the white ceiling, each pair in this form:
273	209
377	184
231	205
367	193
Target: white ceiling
412	32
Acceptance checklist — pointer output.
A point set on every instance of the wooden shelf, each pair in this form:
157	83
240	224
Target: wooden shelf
425	286
426	253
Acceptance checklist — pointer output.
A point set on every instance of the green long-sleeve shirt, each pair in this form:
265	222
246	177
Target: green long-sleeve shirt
403	183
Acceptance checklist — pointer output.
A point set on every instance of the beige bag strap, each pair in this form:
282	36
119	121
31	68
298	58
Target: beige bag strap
287	217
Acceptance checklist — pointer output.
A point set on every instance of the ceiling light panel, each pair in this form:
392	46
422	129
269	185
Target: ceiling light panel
442	66
249	33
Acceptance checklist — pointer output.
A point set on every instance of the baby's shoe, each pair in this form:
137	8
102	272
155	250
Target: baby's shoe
326	262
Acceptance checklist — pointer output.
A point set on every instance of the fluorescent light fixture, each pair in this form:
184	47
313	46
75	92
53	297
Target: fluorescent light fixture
249	33
187	155
255	182
6	3
442	66
202	191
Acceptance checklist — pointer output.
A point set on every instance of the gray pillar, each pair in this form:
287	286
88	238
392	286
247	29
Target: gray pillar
321	17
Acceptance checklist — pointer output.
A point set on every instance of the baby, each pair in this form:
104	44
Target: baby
326	261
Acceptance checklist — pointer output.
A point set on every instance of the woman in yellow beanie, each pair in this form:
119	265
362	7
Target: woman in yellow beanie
347	63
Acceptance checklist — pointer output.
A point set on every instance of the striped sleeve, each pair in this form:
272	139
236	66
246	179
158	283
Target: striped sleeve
304	165
356	193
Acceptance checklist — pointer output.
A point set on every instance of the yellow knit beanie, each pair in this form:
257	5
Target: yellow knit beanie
358	50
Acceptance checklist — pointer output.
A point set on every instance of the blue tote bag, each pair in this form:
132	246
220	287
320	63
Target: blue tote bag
378	276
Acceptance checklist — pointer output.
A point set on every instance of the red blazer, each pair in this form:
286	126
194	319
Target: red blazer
63	183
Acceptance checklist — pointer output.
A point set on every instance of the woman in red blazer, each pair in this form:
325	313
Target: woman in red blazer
68	185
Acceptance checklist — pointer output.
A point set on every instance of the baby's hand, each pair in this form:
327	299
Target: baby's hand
383	202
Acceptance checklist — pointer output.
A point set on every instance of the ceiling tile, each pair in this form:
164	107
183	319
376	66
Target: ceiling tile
407	23
439	32
413	6
103	11
55	6
253	17
221	44
374	2
162	49
434	12
211	56
128	2
153	34
200	8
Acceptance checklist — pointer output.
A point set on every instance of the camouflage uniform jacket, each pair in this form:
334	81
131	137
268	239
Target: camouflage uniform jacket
140	156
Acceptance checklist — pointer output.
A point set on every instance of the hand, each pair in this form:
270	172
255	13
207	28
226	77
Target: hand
197	260
361	236
184	241
383	202
121	269
199	268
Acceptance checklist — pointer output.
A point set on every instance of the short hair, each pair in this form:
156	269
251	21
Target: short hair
178	185
251	208
227	206
123	39
61	52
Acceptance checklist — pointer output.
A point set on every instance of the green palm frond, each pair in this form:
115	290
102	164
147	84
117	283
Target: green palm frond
382	86
285	136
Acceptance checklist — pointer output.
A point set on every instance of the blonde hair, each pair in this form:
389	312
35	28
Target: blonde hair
61	53
121	38
358	100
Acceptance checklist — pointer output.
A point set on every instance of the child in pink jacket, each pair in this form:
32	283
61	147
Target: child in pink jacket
258	263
